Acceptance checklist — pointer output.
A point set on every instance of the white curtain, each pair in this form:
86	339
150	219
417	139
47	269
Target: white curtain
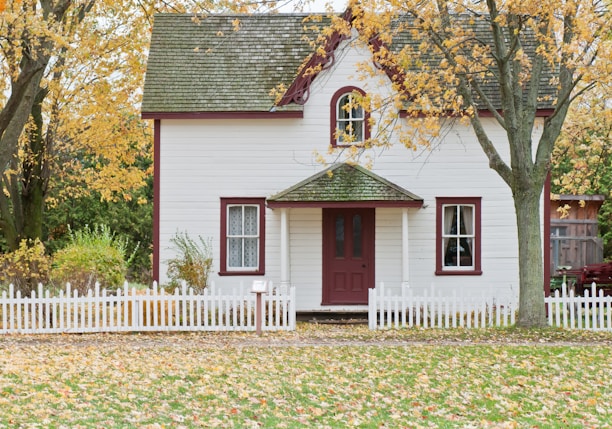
467	215
449	216
251	244
243	236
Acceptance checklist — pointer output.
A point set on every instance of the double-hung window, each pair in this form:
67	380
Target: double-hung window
458	236
242	235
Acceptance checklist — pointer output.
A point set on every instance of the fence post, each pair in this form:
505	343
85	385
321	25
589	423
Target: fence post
372	308
292	309
259	287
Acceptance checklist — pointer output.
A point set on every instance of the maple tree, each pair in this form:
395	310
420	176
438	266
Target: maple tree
456	51
73	73
69	119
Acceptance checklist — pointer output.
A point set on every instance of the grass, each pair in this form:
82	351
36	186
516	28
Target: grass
318	376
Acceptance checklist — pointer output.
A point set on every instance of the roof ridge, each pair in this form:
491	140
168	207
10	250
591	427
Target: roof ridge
229	14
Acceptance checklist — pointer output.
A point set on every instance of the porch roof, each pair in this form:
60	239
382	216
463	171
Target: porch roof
345	185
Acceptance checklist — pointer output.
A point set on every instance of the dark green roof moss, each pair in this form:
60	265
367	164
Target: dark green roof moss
345	183
205	65
208	66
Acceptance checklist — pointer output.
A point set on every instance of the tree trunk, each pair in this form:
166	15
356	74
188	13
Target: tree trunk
35	175
531	273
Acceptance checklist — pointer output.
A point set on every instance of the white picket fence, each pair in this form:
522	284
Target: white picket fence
435	309
592	311
153	309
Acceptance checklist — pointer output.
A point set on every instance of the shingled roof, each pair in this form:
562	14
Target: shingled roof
345	183
205	65
208	66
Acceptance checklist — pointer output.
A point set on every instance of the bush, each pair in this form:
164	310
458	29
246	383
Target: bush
92	256
25	267
193	263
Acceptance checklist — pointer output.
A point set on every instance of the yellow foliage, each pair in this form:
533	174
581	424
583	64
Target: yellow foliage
25	267
448	62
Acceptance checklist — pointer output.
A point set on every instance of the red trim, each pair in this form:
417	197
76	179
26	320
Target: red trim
476	201
546	238
156	195
395	73
483	113
299	90
262	236
223	115
343	204
540	113
334	116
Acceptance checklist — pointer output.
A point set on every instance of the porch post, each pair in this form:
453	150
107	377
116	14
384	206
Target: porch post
285	280
405	256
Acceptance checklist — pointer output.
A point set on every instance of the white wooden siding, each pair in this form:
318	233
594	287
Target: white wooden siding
203	160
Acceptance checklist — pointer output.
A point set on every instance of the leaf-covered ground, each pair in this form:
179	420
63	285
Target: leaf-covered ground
318	376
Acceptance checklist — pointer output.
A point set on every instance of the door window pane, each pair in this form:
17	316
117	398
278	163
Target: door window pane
340	236
357	234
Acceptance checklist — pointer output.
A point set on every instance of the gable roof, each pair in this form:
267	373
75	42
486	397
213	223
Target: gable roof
342	184
208	66
230	63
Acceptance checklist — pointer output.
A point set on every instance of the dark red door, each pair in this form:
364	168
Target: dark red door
348	255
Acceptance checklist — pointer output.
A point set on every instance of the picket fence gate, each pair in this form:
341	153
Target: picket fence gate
593	311
434	309
125	309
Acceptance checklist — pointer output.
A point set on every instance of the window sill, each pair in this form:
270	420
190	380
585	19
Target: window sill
241	273
347	145
458	273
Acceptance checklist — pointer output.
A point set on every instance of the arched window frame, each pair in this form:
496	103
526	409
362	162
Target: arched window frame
334	110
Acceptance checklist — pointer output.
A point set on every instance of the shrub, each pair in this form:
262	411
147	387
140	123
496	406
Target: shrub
92	255
25	267
193	262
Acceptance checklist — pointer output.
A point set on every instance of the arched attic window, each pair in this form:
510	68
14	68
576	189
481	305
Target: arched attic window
349	120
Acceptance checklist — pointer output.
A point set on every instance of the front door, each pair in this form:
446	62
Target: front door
348	255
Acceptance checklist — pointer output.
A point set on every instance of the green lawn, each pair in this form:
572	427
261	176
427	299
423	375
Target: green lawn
316	377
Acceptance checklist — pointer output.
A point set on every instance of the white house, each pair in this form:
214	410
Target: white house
236	167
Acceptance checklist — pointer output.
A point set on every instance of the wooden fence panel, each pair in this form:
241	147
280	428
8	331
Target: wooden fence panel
433	309
593	311
153	309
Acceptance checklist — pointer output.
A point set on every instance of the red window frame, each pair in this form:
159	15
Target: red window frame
440	203
334	116
260	270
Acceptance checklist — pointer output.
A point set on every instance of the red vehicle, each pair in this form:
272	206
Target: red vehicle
600	274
